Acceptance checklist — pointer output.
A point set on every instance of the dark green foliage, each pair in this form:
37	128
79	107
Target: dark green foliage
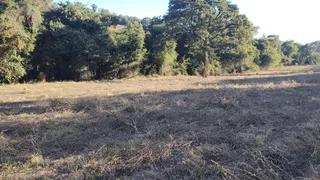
290	51
128	50
124	20
71	41
309	54
79	44
162	55
237	52
19	25
270	51
211	34
64	54
68	43
3	7
146	22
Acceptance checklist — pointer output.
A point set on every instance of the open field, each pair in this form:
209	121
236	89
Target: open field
250	126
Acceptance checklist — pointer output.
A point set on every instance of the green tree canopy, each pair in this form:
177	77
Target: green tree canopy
19	25
162	55
202	26
73	41
290	51
270	51
309	54
78	43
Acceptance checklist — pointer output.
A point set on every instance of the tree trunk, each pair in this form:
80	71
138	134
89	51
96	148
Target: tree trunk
206	63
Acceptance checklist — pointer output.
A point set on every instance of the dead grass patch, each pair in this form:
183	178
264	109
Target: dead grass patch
232	127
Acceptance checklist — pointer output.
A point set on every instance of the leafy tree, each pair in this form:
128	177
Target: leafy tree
77	43
161	50
237	52
74	44
309	54
290	50
70	41
19	25
270	51
125	20
201	26
128	48
146	22
94	7
64	54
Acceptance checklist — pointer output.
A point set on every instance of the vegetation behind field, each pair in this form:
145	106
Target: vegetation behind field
71	41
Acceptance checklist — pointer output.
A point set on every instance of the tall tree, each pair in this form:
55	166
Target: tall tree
74	43
290	51
19	25
309	54
162	55
146	22
78	43
128	48
202	25
270	51
237	52
65	45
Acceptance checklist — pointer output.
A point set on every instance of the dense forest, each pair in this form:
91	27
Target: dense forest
71	41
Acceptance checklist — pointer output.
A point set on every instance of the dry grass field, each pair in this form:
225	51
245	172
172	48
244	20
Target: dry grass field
250	126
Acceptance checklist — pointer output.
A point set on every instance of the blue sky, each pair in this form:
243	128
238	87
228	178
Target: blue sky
291	19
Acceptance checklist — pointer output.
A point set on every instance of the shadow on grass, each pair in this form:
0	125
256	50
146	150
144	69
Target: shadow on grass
201	134
306	79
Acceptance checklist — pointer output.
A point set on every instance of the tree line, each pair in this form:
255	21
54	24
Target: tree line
70	41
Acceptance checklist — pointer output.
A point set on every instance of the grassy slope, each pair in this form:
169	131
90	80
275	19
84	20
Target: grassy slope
253	126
